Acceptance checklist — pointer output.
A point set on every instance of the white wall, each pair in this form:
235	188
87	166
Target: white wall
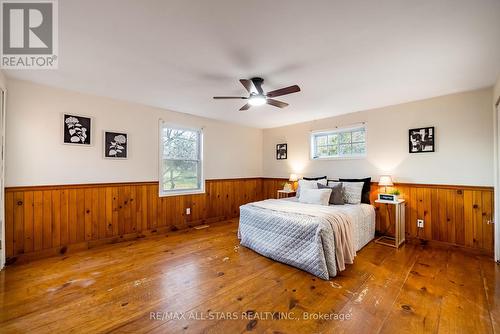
464	143
35	154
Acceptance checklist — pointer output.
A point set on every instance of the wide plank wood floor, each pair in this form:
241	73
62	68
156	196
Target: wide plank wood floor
203	281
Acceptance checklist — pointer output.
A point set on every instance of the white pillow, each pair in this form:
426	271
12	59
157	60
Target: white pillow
309	184
315	196
352	192
322	181
332	183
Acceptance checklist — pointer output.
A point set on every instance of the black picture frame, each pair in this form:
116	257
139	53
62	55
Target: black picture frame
115	145
77	130
281	151
422	140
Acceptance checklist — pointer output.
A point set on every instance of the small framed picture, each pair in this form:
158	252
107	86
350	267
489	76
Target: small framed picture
115	145
77	130
281	151
421	140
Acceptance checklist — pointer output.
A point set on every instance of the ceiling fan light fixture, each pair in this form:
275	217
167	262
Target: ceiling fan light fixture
257	100
257	97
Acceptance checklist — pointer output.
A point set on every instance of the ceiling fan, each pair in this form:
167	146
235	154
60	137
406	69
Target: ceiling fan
257	96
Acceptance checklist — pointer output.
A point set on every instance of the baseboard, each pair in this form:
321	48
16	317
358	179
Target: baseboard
443	244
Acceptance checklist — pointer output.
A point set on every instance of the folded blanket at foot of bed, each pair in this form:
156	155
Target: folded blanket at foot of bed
307	237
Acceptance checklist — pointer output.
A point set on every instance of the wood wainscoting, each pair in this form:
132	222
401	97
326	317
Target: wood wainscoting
49	220
458	215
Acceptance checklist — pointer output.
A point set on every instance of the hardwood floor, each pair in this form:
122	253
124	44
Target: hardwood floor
224	288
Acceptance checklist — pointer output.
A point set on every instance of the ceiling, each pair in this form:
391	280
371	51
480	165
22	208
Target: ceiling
345	55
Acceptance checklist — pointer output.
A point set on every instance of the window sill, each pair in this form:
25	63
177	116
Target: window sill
181	192
356	157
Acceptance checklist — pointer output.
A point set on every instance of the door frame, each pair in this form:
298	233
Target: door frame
496	122
3	106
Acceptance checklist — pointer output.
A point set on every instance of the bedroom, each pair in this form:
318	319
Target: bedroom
350	189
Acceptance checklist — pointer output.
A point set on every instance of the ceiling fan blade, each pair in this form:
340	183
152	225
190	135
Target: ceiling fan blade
257	83
230	97
283	91
245	107
276	103
248	84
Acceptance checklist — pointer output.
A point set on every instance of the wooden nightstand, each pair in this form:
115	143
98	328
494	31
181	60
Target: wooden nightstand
394	214
286	193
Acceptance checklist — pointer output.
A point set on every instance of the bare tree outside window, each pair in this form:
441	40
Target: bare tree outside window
181	163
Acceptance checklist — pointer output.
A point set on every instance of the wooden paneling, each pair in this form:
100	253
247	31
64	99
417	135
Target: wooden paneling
270	187
48	220
459	215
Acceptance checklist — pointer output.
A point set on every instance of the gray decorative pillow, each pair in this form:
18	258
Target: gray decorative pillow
337	195
352	192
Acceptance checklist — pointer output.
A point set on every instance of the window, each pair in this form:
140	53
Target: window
339	143
181	160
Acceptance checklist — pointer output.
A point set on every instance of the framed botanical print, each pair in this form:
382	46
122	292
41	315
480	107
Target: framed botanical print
115	145
77	130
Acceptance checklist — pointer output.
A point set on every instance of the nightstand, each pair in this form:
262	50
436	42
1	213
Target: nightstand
394	213
286	193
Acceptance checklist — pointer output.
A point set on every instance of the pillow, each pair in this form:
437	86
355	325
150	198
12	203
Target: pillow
337	196
365	197
352	192
315	196
322	181
305	184
332	182
314	178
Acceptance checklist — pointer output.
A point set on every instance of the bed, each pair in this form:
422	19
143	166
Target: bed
307	236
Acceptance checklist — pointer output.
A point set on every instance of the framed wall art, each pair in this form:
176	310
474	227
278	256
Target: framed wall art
281	151
421	140
115	145
77	130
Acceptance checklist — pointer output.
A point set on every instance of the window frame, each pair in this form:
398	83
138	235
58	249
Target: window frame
201	189
352	128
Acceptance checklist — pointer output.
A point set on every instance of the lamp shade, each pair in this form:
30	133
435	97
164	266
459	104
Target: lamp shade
385	181
293	178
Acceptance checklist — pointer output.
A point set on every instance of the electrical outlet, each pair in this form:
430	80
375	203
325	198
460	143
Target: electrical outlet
420	223
188	211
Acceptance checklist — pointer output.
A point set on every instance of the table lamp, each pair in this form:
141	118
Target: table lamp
385	181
